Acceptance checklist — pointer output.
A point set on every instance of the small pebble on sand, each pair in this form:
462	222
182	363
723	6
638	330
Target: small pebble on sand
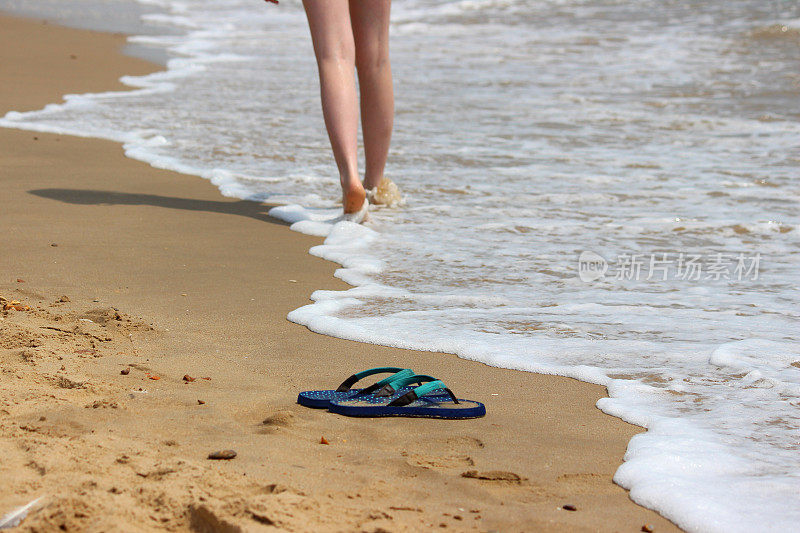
125	371
222	454
569	507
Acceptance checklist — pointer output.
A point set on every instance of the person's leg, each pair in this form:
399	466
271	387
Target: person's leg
370	22
332	35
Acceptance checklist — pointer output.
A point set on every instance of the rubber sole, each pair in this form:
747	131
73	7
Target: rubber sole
465	409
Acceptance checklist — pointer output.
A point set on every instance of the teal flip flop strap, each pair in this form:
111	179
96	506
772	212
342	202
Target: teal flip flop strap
430	384
404	381
421	390
389	389
397	373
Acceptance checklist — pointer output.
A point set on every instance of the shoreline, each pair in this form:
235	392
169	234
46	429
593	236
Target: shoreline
214	305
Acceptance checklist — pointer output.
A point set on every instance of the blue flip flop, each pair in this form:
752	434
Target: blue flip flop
424	401
321	399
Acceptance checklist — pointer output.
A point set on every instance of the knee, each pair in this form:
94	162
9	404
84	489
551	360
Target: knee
337	53
372	58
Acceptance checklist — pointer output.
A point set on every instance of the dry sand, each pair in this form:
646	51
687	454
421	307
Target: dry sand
163	277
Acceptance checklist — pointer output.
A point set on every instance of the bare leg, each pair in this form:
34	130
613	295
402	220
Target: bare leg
370	22
334	47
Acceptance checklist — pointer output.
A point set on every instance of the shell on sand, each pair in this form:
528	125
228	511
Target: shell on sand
15	517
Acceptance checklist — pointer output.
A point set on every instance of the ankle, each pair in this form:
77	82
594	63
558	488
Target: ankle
370	182
352	185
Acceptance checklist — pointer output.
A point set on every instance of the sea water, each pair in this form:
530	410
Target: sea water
601	189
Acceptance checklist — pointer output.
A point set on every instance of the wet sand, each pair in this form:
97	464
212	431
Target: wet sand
130	269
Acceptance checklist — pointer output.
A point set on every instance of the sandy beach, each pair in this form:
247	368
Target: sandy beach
151	330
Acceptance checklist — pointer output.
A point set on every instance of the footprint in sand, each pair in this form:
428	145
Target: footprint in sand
496	476
465	443
434	462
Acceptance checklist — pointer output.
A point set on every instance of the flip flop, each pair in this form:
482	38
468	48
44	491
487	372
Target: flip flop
417	402
320	399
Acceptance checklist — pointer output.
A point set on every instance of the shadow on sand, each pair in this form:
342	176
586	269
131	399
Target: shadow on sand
245	208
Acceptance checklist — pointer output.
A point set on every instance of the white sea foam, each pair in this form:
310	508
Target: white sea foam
527	133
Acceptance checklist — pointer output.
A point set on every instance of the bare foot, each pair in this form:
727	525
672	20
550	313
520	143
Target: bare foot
353	197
